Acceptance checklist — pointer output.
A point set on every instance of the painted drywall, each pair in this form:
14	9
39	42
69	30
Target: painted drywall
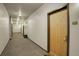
4	27
74	29
37	23
16	28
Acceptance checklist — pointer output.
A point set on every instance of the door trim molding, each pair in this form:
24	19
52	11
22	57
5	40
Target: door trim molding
48	27
23	30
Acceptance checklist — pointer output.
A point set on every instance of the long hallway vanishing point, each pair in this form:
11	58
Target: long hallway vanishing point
39	29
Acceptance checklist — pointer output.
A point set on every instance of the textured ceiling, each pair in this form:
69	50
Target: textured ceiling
25	8
21	10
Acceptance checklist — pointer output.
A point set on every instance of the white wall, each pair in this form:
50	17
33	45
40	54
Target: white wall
16	28
74	29
37	24
4	27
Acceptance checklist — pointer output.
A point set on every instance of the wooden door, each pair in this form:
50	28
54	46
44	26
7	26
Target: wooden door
58	32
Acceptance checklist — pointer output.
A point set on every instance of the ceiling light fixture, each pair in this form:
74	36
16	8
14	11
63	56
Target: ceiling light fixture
20	12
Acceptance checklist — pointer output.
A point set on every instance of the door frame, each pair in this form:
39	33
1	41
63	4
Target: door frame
11	28
48	27
23	30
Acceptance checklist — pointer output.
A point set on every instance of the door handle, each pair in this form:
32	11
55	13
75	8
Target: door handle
65	38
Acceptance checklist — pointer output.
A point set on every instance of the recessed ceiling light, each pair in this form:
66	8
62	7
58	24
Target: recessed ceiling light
20	12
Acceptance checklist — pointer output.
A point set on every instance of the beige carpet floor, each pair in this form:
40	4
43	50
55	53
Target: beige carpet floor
20	46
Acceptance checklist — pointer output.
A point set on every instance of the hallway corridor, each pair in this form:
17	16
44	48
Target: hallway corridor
52	26
20	46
